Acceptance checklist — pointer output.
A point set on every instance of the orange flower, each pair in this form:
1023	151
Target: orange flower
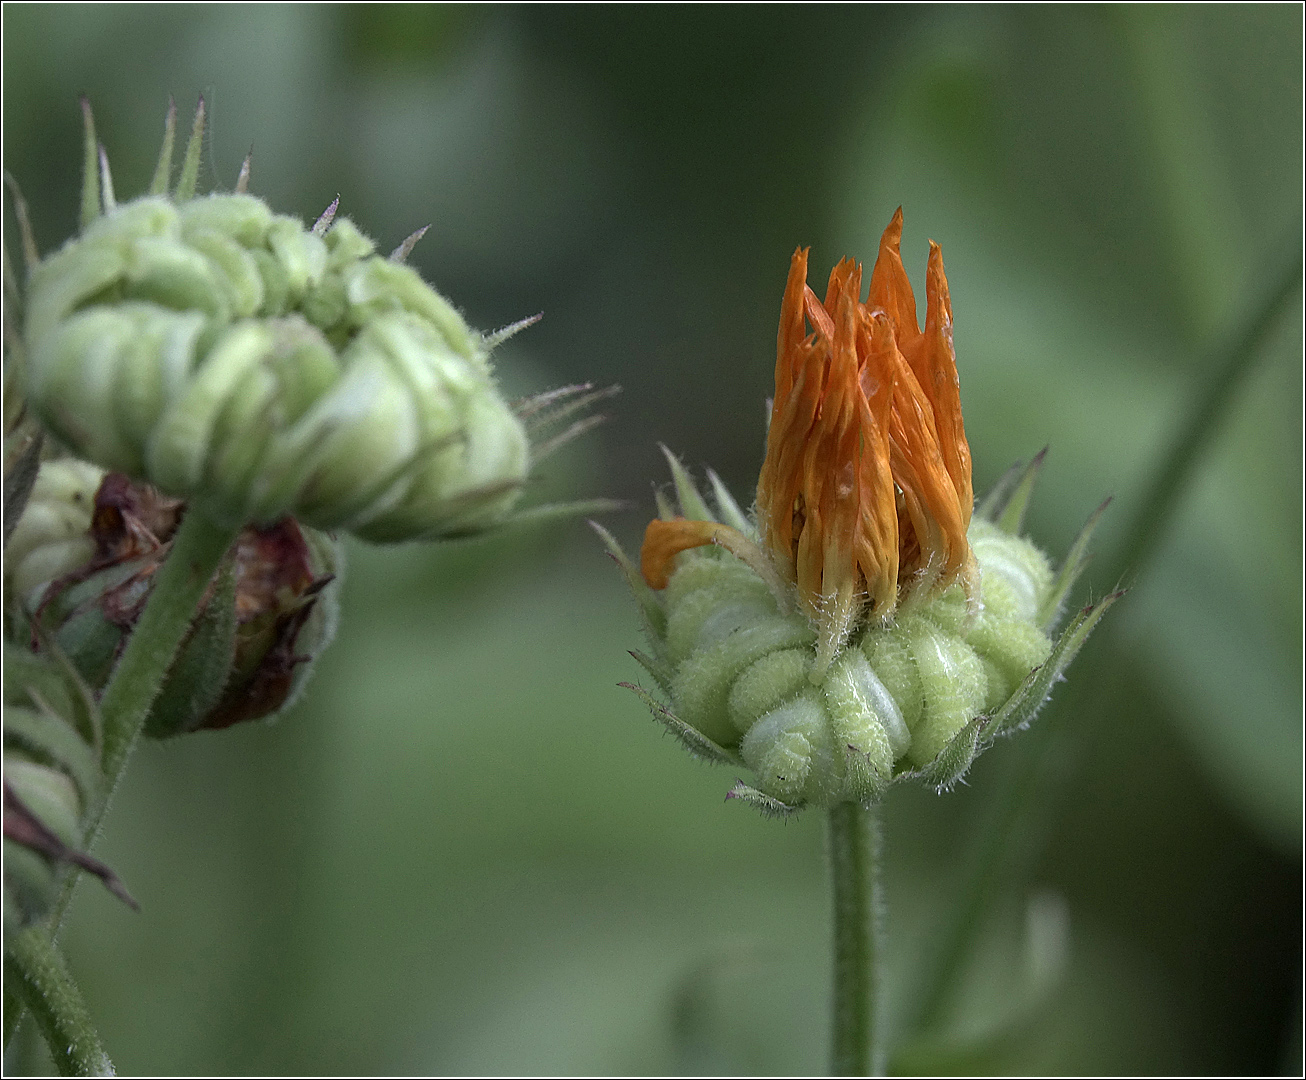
866	485
867	474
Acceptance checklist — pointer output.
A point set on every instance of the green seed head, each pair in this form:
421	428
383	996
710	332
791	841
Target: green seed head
258	368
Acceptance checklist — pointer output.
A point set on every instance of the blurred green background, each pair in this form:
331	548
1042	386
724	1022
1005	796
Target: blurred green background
466	850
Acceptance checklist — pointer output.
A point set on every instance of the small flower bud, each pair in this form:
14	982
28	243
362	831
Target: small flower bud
268	615
258	368
52	781
869	625
52	537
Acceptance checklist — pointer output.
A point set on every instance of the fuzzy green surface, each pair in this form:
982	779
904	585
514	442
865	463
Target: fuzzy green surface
234	357
742	671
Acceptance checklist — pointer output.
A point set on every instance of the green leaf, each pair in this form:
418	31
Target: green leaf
1047	950
693	740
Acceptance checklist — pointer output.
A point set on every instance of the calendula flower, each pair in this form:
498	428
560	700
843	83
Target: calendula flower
866	485
867	622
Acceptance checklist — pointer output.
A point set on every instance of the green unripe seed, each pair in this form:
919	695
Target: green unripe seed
744	674
768	683
952	684
789	750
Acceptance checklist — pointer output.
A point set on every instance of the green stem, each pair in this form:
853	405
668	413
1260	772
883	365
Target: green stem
197	549
179	585
36	970
855	843
1229	367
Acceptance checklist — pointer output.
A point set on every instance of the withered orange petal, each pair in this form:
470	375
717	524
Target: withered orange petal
845	271
944	390
792	330
891	289
919	471
664	540
818	317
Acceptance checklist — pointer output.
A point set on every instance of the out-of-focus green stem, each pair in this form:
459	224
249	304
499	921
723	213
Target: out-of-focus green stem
857	1048
1229	367
179	585
197	548
36	971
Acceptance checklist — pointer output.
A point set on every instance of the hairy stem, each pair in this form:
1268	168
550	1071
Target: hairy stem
38	975
197	549
181	581
857	1047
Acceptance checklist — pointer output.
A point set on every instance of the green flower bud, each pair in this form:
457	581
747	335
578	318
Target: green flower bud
268	616
259	368
914	697
53	535
868	623
52	782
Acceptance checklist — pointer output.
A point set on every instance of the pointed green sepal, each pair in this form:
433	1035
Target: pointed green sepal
49	739
727	508
953	760
49	676
692	504
555	406
666	511
1011	518
660	671
242	177
693	740
20	478
190	166
199	675
768	806
1006	502
561	511
83	708
31	256
862	781
1029	697
107	197
90	167
163	170
1076	559
651	611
